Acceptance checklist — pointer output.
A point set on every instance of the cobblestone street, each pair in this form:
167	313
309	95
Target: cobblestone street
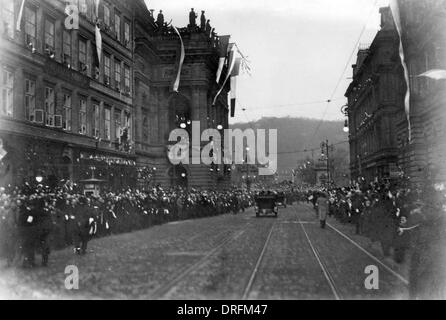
224	257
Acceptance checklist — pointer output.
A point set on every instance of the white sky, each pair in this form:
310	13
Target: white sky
297	49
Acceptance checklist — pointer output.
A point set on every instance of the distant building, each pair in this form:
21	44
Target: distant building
375	105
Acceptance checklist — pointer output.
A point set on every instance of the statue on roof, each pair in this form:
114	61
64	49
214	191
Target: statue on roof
192	17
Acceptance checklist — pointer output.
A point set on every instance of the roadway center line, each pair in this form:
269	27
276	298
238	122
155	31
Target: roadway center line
400	277
324	270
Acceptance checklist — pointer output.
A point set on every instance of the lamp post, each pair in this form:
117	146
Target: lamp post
324	148
344	110
248	182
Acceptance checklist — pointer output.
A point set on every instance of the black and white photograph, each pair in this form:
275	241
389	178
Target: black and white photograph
246	151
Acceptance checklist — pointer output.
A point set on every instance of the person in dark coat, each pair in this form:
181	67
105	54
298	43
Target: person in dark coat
84	227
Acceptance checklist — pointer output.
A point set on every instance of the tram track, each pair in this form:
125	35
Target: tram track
254	272
164	290
364	251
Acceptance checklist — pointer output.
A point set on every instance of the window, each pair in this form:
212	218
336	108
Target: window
106	69
96	119
82	55
30	27
82	116
127	34
7	89
107	123
67	112
118	26
67	48
49	36
8	18
117	74
49	106
30	99
127	79
106	14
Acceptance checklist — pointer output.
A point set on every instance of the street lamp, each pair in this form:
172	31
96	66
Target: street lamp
39	178
346	129
219	127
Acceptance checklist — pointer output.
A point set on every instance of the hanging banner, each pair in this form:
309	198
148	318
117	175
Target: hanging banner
98	35
221	63
436	74
19	17
397	18
230	68
176	84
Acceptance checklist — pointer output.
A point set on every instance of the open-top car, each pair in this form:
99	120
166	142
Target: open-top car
266	204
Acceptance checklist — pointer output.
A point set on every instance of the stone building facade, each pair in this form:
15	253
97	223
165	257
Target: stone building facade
66	114
375	105
424	41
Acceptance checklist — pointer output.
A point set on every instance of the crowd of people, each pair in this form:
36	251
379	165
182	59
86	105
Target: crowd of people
408	221
36	219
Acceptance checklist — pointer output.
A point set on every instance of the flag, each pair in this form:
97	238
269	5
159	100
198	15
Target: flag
19	17
98	35
436	74
180	65
236	69
397	18
233	95
221	63
230	68
223	44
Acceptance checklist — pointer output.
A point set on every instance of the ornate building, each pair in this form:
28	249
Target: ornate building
64	115
67	113
375	104
424	41
160	109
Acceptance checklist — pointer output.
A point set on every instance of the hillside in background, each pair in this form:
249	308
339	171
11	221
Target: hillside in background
298	134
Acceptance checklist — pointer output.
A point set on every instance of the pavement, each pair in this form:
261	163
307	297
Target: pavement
222	257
